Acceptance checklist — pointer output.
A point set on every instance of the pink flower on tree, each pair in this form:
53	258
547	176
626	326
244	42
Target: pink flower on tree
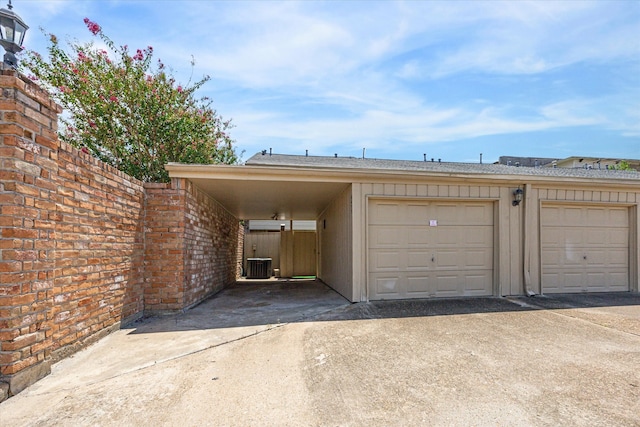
139	56
92	26
179	89
113	99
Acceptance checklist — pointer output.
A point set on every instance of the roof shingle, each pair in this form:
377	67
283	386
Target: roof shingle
286	160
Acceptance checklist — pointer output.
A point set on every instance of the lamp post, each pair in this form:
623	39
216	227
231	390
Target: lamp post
12	31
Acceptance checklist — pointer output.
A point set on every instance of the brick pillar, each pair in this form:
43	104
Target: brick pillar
28	168
164	247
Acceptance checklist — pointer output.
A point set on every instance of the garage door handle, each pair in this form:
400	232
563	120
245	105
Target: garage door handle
584	257
433	259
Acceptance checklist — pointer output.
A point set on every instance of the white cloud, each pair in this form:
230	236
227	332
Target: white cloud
342	75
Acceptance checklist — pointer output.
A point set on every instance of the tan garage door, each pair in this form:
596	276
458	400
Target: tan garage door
584	248
419	249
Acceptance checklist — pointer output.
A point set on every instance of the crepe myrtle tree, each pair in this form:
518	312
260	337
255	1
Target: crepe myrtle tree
127	109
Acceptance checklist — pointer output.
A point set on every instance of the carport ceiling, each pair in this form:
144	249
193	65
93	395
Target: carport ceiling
259	192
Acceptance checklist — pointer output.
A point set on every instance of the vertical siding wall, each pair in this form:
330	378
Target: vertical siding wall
84	247
335	243
517	246
267	244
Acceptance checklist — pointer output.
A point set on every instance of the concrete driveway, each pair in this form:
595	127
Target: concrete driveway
296	353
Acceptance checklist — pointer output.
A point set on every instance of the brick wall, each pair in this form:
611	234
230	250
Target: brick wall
28	173
210	245
70	239
164	243
84	247
98	248
191	246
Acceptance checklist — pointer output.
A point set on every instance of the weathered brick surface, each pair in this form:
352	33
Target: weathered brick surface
191	246
210	246
164	244
84	247
28	171
98	247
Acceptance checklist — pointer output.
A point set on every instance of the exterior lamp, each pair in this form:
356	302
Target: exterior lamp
517	196
12	31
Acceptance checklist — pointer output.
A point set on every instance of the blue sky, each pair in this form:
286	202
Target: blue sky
451	79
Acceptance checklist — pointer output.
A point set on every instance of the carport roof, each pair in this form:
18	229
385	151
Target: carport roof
301	187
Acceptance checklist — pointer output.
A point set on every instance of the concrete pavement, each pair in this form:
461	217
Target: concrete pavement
295	353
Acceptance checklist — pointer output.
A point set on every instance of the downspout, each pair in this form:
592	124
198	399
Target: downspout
527	241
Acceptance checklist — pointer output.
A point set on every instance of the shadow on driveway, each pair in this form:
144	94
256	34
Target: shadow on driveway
273	302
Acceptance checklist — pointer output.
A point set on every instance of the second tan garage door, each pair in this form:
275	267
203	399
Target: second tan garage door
584	248
420	249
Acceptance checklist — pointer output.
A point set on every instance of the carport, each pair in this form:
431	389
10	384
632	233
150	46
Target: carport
284	193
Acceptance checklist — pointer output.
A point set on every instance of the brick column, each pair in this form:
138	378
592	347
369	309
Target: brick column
28	168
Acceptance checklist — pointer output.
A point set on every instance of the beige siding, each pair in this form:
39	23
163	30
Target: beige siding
266	244
297	253
304	257
335	242
517	230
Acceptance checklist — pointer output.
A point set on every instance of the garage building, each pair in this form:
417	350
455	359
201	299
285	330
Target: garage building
389	229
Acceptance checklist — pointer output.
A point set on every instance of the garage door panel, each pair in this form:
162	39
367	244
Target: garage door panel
618	258
447	284
551	258
572	215
549	237
618	237
387	260
573	280
478	215
478	235
597	258
584	249
478	284
419	260
386	286
419	236
417	214
431	249
387	236
597	237
596	215
447	259
478	258
619	217
446	214
385	213
418	286
551	280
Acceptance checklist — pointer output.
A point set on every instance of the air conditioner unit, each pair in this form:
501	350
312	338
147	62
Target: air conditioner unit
258	268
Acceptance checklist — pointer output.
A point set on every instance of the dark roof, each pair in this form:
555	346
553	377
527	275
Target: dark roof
286	160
